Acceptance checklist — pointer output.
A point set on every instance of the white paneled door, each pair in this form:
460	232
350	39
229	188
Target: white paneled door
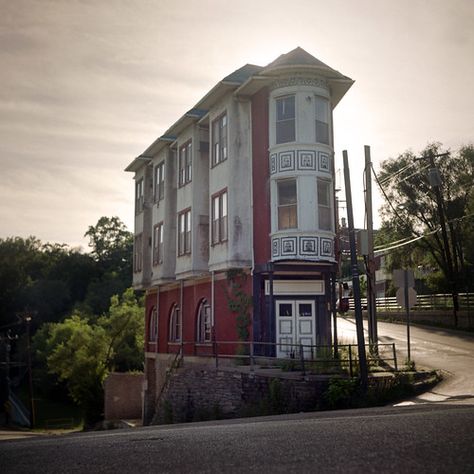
295	325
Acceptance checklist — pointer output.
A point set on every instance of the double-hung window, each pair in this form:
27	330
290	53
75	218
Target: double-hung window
159	181
219	217
322	120
138	253
324	204
139	196
219	139
175	324
158	244
287	204
204	325
285	119
185	163
153	325
184	232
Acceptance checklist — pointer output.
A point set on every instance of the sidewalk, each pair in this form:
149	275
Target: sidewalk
12	433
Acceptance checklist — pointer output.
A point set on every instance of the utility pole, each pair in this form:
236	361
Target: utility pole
435	181
371	303
30	373
355	278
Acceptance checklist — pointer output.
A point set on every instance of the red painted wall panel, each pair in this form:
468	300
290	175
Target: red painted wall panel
225	320
261	177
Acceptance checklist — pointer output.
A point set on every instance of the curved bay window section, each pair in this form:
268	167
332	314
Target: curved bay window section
301	170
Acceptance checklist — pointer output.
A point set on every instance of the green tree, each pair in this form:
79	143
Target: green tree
112	248
125	328
411	211
81	351
111	243
20	263
77	355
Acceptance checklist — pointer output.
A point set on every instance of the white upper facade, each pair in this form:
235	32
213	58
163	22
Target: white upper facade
194	203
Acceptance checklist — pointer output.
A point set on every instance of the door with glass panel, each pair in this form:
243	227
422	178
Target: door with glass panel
295	326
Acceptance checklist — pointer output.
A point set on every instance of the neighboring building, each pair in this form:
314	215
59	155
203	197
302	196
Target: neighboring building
244	180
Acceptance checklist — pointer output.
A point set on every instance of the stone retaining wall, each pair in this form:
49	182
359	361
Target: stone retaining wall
195	394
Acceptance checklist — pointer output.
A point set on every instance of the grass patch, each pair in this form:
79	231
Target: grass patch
57	415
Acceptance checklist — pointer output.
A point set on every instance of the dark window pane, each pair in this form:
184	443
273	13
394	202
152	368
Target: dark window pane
286	309
305	309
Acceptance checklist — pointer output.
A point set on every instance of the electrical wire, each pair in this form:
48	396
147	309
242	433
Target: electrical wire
401	170
387	199
392	247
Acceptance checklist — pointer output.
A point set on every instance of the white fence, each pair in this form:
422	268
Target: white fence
423	302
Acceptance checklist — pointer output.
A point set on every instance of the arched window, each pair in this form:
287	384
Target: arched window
175	324
153	325
204	325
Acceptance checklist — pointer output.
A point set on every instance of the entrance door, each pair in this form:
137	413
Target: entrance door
295	325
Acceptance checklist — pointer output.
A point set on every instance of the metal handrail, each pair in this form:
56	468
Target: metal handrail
300	353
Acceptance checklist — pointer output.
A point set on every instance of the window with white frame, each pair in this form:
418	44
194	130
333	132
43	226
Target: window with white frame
175	324
153	325
158	244
322	120
204	325
287	204
138	253
139	198
184	232
285	119
219	217
324	205
185	164
159	182
219	139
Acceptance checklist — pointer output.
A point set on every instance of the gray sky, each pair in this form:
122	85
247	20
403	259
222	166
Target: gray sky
85	86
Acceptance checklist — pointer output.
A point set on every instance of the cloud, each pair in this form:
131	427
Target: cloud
85	86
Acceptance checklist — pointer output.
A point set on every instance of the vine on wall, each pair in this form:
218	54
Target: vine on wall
239	301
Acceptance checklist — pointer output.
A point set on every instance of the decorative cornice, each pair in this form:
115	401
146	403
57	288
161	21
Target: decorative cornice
299	81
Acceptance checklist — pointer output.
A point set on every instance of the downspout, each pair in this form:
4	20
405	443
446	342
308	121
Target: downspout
157	320
212	299
181	297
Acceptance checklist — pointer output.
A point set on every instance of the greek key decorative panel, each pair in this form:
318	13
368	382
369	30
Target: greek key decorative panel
307	160
288	246
302	247
273	163
326	247
309	246
275	247
324	162
287	161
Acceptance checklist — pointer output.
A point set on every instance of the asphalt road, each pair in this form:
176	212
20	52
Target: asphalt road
432	433
450	351
421	438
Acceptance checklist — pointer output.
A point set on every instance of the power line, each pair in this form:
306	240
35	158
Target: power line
387	199
401	170
392	247
396	244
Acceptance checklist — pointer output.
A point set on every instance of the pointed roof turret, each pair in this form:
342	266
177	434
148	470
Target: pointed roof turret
297	56
297	61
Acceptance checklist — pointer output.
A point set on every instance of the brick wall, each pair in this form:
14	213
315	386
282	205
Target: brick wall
123	396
